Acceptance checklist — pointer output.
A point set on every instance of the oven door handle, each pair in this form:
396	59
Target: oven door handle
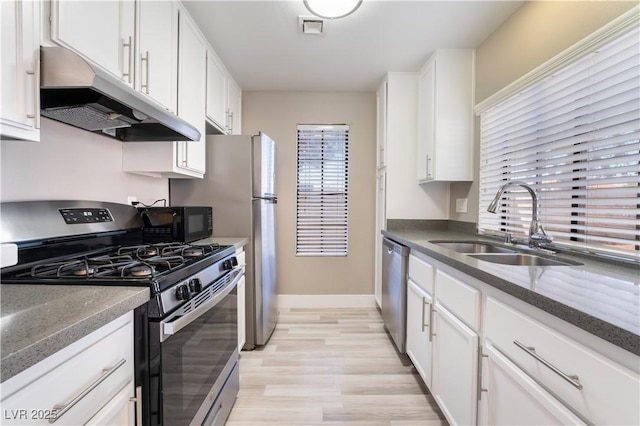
171	326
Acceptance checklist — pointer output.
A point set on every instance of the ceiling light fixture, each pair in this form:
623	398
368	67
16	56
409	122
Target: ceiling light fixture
332	9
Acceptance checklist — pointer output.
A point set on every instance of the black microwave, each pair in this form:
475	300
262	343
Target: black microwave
182	224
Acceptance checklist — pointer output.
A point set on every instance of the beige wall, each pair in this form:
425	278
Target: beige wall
277	114
69	163
535	33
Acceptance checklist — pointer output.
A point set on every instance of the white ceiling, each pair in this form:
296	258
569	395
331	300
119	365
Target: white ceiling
262	47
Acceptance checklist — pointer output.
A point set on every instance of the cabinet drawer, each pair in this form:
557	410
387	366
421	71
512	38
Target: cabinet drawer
85	381
609	392
421	273
462	299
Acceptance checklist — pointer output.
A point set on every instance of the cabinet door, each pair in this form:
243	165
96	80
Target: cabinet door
192	96
242	322
216	92
419	308
89	28
511	397
235	108
455	367
156	65
119	411
20	91
381	224
381	105
426	121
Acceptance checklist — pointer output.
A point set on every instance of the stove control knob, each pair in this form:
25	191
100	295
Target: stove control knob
228	264
195	285
183	293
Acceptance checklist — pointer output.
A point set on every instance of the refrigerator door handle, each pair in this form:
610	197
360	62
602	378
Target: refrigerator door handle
273	200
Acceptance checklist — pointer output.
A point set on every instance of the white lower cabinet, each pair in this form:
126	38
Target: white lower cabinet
419	308
242	322
119	411
511	397
599	389
532	372
90	380
242	292
455	367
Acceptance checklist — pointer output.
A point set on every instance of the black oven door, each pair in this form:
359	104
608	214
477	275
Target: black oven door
198	349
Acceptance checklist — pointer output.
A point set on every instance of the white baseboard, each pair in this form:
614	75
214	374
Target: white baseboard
326	301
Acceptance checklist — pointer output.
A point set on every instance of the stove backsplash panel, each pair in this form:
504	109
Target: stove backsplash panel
71	164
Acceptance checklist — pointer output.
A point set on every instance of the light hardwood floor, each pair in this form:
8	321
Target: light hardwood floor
331	367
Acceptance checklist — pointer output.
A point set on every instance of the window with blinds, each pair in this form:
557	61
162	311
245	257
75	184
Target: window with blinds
322	190
574	136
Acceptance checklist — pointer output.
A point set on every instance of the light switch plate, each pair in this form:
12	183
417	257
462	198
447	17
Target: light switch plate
461	205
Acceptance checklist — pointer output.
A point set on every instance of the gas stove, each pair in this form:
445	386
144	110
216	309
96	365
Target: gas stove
95	243
143	263
186	336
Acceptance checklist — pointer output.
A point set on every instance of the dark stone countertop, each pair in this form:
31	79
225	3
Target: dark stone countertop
39	320
599	296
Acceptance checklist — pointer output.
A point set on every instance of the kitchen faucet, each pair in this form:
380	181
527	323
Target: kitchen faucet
536	232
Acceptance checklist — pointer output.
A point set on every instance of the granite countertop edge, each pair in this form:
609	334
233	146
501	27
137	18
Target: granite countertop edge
607	331
33	352
236	242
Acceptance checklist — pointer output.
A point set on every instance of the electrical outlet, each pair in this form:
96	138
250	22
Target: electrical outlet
131	199
461	205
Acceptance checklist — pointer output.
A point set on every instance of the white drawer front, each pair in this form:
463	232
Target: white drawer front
462	299
610	393
421	273
107	364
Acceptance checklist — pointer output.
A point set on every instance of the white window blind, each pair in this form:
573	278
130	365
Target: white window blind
574	137
322	190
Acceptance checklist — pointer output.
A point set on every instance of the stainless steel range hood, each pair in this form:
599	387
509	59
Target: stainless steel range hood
76	92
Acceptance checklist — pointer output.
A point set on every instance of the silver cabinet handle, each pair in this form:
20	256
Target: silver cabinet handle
231	122
432	312
62	409
573	379
128	45
424	303
138	401
227	119
35	72
145	59
428	171
480	365
184	154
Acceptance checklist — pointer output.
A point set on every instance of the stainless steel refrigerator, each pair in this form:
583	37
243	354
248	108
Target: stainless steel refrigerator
239	184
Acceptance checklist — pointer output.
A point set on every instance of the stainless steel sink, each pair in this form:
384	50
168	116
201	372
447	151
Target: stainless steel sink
472	247
520	259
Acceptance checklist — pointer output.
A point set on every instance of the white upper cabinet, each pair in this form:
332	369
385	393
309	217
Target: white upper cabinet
102	31
192	77
156	61
216	92
178	159
235	105
105	32
20	90
224	98
445	117
381	131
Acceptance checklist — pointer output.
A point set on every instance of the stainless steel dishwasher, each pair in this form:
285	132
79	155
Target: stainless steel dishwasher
394	291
